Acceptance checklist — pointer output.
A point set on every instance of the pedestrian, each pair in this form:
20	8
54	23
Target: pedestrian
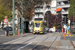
7	30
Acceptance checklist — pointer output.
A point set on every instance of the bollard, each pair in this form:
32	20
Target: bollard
62	30
18	32
67	32
31	30
5	33
64	36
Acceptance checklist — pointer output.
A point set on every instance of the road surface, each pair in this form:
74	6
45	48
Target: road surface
48	41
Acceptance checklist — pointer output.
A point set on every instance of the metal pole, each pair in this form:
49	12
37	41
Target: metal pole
73	14
22	17
13	17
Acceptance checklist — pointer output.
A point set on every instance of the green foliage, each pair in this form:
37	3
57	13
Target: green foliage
72	8
53	20
10	34
5	10
28	8
16	33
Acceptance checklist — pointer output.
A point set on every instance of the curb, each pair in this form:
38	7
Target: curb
2	35
72	44
66	35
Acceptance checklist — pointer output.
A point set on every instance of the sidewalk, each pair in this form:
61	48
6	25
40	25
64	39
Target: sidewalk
21	35
70	38
73	43
62	45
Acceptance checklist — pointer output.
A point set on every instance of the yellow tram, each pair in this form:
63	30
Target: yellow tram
38	27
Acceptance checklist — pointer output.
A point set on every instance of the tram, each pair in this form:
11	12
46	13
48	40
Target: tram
38	27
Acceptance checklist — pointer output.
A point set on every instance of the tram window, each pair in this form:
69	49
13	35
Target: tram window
37	24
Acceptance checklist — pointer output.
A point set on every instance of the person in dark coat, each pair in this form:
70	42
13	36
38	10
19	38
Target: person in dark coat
7	30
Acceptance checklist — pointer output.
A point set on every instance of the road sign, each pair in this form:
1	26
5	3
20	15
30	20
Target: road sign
5	20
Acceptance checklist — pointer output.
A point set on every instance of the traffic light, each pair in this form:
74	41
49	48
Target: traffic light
65	20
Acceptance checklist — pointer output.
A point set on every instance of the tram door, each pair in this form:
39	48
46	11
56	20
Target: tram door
26	27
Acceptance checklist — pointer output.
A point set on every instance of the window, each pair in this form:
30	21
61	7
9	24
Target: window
37	24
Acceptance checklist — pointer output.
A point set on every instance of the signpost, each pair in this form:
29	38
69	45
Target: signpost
5	20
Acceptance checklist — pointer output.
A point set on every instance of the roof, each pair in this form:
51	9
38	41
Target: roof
58	9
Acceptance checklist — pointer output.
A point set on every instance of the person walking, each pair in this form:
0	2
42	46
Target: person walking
7	30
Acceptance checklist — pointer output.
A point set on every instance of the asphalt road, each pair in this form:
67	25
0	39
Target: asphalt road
29	42
4	39
2	32
47	41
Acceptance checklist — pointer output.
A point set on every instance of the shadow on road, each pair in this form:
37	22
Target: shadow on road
22	47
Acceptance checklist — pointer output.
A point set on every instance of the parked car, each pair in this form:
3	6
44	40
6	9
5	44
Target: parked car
10	28
58	30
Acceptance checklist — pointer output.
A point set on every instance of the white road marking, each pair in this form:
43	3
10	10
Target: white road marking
24	46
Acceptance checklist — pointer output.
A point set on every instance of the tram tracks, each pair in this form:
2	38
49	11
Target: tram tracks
30	42
37	46
46	48
25	42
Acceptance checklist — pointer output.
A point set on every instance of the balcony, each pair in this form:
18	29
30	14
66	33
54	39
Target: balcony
64	12
39	6
38	10
39	16
62	0
66	5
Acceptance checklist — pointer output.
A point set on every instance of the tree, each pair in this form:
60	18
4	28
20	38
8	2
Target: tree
72	10
53	20
5	10
28	7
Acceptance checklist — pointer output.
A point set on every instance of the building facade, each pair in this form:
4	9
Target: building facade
40	10
64	5
55	6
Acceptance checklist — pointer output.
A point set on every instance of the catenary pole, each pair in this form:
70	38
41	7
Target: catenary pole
13	17
22	17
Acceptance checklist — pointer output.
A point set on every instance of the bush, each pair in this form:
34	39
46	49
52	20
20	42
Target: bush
16	33
10	34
